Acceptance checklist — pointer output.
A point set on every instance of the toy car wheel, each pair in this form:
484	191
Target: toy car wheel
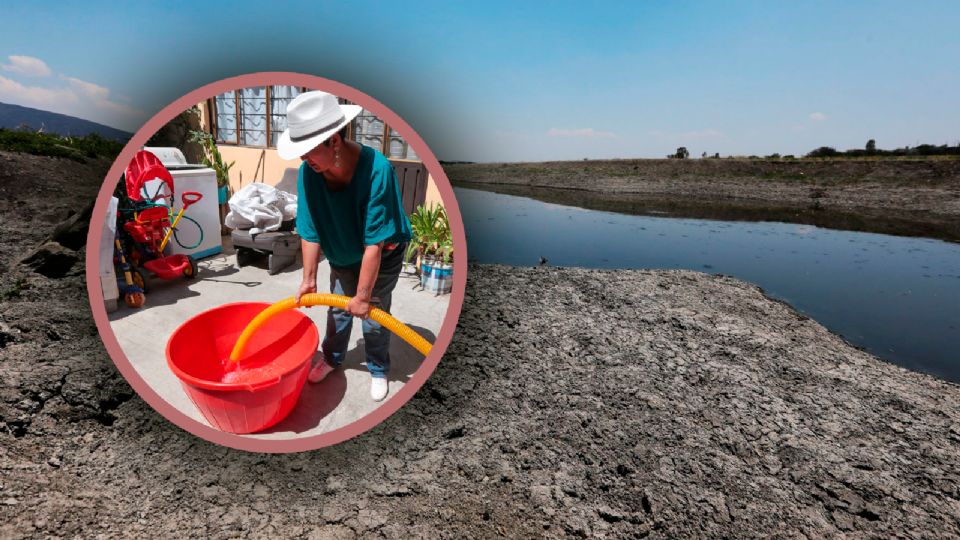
139	280
135	299
191	271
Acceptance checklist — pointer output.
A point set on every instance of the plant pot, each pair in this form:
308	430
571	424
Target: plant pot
435	275
223	193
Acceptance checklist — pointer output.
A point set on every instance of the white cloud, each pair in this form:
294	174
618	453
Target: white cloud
818	116
38	97
88	89
77	98
66	95
26	65
583	132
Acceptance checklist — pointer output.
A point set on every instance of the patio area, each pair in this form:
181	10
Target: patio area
340	399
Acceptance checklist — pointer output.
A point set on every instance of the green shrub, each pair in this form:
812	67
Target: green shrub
50	144
824	151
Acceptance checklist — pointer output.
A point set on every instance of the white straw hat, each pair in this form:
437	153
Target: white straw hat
312	117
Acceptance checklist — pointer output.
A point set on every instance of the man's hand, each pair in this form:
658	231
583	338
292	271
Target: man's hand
306	287
358	307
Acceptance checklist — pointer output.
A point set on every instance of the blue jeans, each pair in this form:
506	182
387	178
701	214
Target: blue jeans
339	323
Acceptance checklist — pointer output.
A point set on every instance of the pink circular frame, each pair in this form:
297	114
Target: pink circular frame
238	441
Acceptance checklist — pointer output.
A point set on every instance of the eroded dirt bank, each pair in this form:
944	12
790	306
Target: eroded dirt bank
905	197
571	403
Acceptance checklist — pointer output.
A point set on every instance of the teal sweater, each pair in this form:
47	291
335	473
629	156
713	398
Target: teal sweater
368	211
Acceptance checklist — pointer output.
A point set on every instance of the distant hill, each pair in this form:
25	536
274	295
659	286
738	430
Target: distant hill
14	116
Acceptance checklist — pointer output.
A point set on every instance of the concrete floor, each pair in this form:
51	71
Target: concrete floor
342	398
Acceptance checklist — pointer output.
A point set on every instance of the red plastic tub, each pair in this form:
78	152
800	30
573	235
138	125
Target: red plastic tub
270	377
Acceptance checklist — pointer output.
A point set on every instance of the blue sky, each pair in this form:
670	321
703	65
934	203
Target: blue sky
500	82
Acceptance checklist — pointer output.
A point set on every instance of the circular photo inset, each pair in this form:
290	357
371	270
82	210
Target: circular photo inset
276	262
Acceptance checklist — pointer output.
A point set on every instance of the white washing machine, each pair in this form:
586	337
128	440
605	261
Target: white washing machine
206	212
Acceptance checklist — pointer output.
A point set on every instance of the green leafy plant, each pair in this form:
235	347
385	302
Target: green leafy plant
212	157
16	289
431	234
50	144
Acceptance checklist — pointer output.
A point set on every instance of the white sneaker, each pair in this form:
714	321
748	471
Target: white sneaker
378	388
320	371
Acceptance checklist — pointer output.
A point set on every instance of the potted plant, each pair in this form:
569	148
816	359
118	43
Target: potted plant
213	159
432	245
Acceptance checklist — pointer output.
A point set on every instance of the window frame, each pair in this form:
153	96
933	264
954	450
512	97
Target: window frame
385	138
212	115
211	104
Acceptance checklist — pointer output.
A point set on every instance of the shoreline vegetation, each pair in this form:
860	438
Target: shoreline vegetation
904	196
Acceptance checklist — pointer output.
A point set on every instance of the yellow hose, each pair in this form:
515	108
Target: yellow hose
379	316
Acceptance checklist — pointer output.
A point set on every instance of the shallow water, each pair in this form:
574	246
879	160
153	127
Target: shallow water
897	297
252	375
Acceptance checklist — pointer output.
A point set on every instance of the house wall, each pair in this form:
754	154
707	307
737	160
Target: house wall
276	171
272	169
433	194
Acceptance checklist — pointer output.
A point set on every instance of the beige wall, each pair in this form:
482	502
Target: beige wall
267	165
248	160
433	194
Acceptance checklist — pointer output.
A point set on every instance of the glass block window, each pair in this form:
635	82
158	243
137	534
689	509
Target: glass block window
399	149
226	115
280	97
257	117
253	116
368	130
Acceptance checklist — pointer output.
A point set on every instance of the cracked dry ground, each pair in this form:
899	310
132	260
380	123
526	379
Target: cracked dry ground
571	403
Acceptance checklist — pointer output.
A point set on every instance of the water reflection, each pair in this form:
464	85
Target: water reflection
897	297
